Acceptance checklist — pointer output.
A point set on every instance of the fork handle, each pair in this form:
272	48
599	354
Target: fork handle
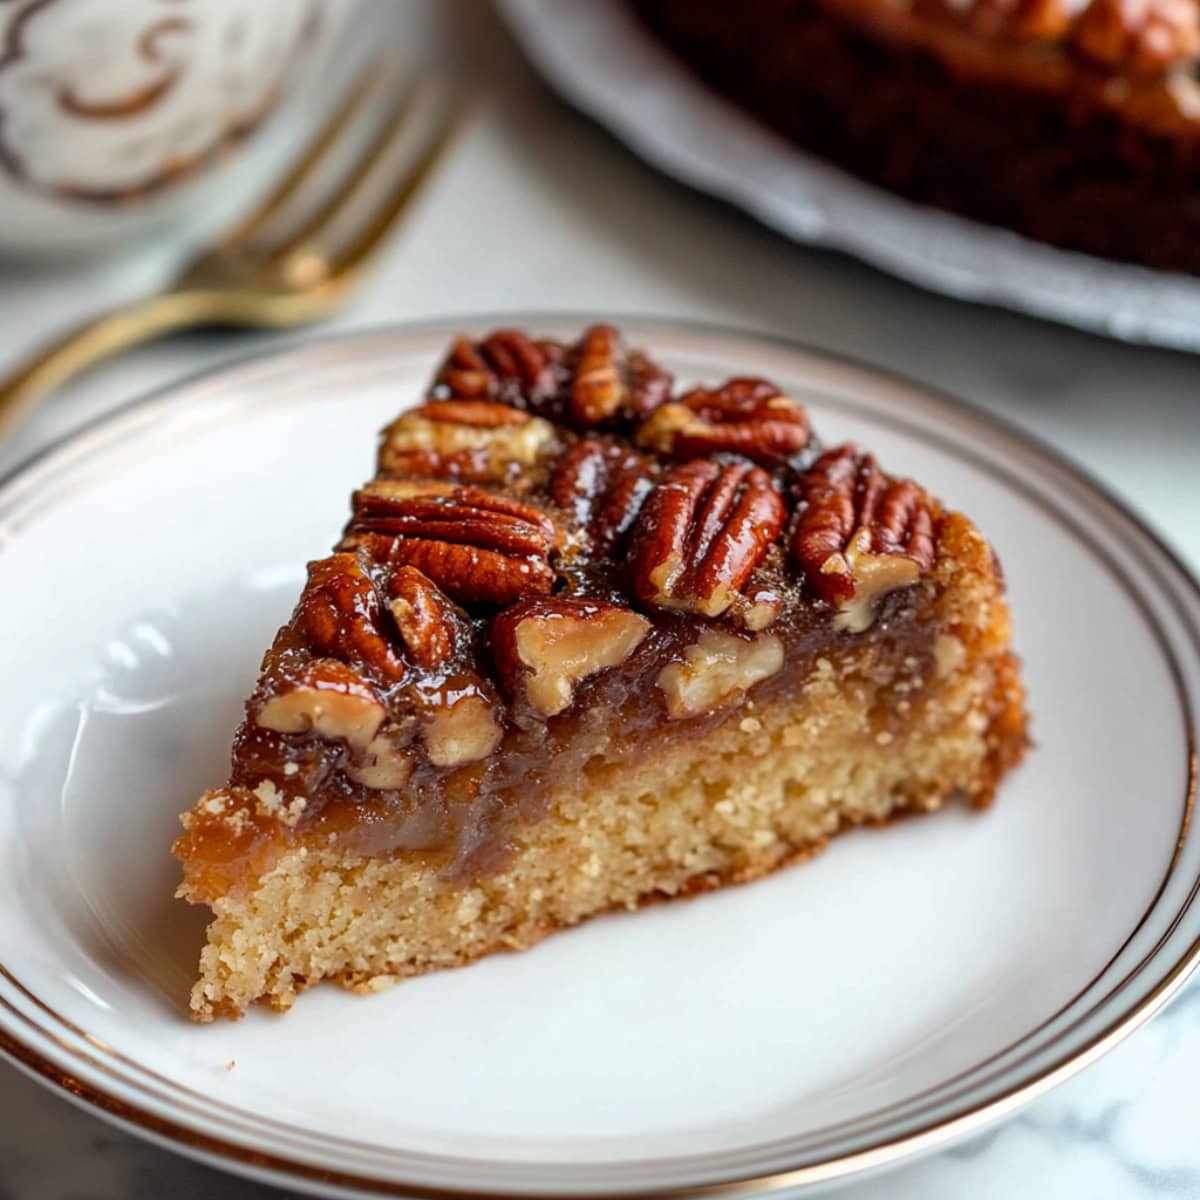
89	343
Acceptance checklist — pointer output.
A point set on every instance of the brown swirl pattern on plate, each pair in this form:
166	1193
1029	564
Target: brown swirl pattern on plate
103	105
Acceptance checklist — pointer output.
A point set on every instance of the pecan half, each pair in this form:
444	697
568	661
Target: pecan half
457	722
340	615
1146	36
860	534
701	533
507	365
327	698
477	547
608	385
475	441
602	483
549	645
744	416
431	628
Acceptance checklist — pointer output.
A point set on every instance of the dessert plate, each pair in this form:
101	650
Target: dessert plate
597	54
899	990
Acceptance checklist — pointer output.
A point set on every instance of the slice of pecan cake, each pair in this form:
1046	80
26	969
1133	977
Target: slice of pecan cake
587	641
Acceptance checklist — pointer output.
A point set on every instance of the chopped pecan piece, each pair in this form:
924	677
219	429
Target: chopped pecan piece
759	608
384	763
474	441
477	547
1146	36
602	483
701	533
461	732
340	614
552	644
508	365
860	534
327	698
608	385
744	416
717	670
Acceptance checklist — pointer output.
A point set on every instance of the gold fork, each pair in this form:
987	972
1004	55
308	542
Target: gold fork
298	256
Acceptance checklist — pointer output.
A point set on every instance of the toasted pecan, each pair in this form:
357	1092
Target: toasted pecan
701	533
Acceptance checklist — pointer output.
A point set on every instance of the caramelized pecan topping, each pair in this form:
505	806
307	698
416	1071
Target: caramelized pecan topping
339	613
460	731
457	721
508	365
477	547
434	634
1147	36
547	646
602	483
701	533
744	416
386	762
474	441
609	386
717	670
430	627
860	534
327	698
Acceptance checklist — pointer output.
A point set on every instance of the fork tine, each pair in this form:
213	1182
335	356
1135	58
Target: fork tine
353	254
309	159
394	126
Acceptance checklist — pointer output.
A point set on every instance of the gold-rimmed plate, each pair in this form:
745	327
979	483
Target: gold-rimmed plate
907	986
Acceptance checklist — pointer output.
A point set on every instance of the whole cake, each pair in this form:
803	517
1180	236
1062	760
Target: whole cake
1076	122
589	639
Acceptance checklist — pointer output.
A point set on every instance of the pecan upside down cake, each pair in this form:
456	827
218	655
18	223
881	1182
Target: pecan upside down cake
1076	122
589	640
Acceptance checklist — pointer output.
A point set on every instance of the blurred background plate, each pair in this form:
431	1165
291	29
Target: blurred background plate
598	56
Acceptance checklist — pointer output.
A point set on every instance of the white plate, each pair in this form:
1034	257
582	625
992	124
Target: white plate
598	55
908	985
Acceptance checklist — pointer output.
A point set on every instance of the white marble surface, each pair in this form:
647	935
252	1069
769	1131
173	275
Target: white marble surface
537	209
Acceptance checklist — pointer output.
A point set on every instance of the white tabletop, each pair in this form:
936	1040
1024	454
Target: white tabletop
537	209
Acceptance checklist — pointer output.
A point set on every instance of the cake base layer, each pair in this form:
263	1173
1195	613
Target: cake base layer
861	735
1020	135
769	785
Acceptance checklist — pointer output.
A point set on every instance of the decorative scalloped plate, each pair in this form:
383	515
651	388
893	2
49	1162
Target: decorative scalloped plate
907	986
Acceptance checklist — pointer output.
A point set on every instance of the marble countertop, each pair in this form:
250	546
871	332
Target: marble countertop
537	209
